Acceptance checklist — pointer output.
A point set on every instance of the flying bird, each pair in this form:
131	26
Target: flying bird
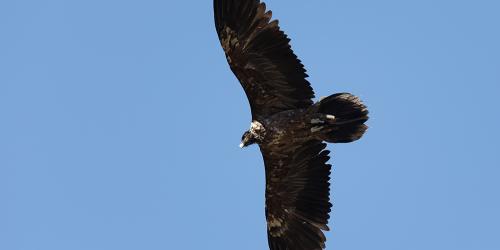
290	129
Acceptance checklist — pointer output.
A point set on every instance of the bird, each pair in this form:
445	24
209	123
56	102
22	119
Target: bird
291	130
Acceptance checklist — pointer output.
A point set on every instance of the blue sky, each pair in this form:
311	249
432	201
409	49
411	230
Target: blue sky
120	123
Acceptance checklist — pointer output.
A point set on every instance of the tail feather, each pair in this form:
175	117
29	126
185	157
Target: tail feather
349	113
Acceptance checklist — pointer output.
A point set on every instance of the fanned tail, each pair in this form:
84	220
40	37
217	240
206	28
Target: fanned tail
345	118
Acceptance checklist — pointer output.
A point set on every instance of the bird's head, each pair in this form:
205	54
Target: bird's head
247	139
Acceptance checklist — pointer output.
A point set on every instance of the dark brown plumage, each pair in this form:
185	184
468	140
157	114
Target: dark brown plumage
287	125
261	58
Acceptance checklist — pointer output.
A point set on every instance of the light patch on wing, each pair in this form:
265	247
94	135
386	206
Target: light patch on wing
229	40
316	129
316	121
276	226
275	223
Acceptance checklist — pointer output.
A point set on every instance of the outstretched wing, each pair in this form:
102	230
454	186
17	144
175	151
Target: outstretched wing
260	56
297	195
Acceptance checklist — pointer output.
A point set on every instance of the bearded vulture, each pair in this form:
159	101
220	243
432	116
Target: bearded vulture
290	129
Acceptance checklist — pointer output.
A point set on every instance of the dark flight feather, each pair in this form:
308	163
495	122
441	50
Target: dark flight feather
260	56
297	195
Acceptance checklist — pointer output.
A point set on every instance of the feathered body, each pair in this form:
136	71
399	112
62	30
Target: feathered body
319	121
288	127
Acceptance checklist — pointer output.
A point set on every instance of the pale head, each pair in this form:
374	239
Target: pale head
255	134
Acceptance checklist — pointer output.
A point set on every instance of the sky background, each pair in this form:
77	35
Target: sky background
120	123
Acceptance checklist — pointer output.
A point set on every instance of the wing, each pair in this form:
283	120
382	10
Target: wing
260	56
297	195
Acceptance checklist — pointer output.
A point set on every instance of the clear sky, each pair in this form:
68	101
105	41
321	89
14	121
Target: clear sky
120	123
